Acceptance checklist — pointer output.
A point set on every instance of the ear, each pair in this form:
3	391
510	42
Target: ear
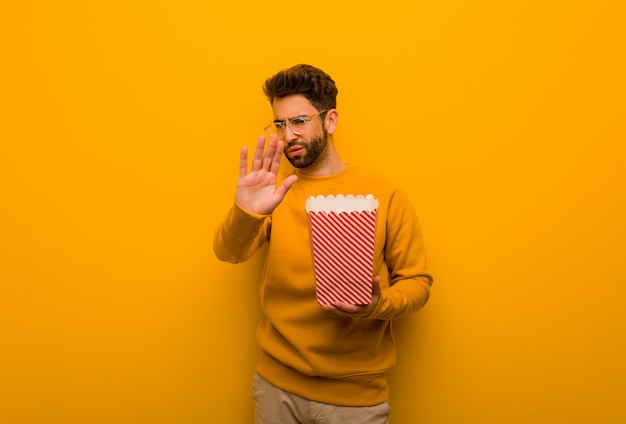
331	121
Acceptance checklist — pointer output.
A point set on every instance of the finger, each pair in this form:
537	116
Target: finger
282	190
243	162
346	308
268	157
336	311
376	285
257	161
278	153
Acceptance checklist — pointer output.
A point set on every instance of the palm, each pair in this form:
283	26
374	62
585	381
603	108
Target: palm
257	191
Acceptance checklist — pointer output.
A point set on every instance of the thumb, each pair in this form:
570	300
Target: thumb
284	187
376	286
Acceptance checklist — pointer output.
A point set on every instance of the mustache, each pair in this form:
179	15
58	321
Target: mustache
295	143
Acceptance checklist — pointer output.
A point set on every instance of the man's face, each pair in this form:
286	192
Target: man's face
305	148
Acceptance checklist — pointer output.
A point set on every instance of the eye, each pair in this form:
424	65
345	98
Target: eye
280	124
299	122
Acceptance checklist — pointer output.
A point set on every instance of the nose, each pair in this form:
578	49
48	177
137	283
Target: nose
290	134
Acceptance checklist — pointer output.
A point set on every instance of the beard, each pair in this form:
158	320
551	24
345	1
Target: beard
314	150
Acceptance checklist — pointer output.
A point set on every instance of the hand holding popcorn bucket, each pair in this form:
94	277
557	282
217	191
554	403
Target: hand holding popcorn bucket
343	233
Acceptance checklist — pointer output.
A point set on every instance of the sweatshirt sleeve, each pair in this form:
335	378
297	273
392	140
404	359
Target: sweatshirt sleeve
405	256
240	235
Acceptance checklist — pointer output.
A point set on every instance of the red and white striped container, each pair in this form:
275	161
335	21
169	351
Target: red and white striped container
343	232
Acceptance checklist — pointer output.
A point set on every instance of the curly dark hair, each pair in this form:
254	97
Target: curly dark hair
313	83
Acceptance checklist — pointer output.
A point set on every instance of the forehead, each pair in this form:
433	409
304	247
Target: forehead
292	105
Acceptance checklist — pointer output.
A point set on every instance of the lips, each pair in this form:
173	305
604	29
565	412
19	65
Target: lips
295	150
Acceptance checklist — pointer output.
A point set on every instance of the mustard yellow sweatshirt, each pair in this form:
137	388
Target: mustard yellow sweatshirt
307	350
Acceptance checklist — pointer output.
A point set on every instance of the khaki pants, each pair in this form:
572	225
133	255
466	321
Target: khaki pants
275	406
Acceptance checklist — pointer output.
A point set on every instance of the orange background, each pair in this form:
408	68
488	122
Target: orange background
120	127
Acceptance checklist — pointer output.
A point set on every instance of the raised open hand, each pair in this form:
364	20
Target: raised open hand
257	190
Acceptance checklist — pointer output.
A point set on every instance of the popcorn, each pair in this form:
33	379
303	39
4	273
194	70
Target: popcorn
343	233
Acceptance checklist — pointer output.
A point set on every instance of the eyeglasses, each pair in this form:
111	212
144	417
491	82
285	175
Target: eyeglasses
297	124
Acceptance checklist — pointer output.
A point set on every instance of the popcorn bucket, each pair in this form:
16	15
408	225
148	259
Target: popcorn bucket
343	232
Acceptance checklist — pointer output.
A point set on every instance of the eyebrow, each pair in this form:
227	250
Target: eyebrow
289	119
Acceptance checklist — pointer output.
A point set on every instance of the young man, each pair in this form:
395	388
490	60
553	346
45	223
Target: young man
318	364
